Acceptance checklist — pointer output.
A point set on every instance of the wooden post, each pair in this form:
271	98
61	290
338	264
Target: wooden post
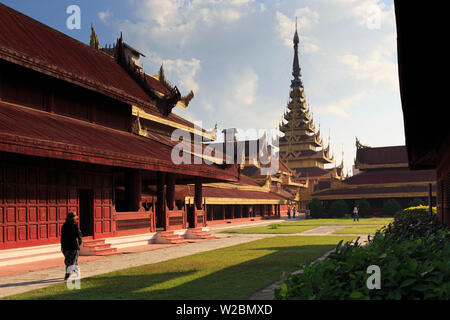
159	214
170	191
1	86
430	198
240	211
198	194
134	191
51	101
223	212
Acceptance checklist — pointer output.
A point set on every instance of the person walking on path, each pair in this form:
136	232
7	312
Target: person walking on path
289	212
70	242
355	214
293	211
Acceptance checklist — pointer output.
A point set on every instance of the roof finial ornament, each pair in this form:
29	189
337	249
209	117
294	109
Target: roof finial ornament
94	43
296	65
359	145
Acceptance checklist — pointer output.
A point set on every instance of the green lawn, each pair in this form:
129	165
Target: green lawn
271	229
367	229
230	273
340	222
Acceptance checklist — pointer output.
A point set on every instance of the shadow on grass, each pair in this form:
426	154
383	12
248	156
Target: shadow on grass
220	282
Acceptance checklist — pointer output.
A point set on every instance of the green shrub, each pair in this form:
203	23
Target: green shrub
414	222
416	202
338	209
391	207
316	209
413	255
364	207
410	269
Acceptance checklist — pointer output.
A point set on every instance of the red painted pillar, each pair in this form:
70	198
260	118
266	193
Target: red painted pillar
198	194
160	210
223	212
1	86
134	189
170	191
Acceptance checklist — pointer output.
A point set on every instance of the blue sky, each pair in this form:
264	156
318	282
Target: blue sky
237	57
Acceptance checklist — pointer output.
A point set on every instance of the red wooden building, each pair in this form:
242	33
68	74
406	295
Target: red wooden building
70	140
383	175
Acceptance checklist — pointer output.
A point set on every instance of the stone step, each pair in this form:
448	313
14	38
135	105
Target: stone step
93	243
107	252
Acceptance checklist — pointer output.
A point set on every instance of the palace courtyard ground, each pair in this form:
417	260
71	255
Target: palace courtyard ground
244	264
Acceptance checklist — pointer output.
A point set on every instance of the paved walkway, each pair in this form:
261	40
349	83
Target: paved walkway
19	283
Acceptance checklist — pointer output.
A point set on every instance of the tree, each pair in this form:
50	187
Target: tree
338	209
316	209
364	207
391	207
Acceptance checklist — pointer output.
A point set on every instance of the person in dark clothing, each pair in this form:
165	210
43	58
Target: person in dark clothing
70	241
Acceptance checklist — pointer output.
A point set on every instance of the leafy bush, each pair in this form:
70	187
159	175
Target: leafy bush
364	207
416	202
338	209
412	253
316	209
391	207
414	222
410	269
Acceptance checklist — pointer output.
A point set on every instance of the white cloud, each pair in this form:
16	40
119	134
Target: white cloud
183	73
286	29
379	68
246	87
340	107
307	18
105	15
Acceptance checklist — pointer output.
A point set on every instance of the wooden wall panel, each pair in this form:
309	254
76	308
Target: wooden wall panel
43	214
52	228
32	214
10	234
21	215
43	231
34	202
10	215
33	232
52	213
62	213
22	233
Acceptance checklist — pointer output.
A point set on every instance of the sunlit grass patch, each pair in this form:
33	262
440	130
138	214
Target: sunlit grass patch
229	273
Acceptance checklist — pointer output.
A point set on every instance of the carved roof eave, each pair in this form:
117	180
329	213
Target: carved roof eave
184	100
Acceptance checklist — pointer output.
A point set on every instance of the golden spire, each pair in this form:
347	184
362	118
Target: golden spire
94	44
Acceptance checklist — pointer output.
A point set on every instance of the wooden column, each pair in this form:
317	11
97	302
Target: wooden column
170	191
223	212
430	198
1	86
51	101
134	190
198	194
159	214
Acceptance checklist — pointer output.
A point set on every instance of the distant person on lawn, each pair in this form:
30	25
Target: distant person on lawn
289	212
293	211
70	242
355	214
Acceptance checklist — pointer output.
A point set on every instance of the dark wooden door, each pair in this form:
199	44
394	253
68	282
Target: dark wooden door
86	217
